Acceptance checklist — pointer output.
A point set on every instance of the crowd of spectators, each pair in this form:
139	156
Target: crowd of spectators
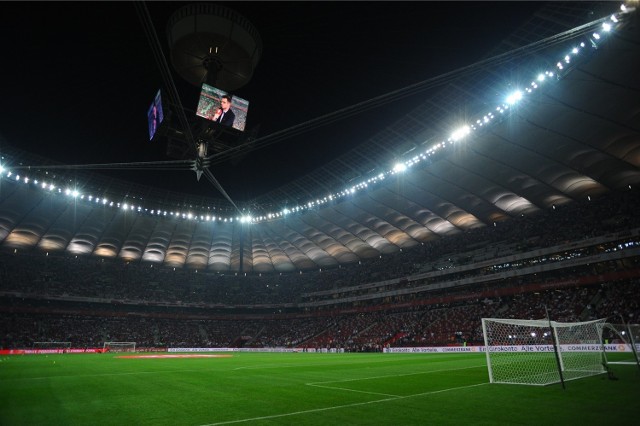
420	325
33	288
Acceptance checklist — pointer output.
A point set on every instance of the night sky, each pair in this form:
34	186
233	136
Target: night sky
78	77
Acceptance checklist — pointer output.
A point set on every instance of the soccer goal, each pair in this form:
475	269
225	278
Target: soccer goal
119	347
51	345
542	352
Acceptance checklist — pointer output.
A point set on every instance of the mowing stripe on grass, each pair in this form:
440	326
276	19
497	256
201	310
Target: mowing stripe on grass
130	373
320	364
393	375
133	373
337	407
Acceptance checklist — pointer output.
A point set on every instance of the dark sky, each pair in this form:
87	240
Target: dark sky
78	77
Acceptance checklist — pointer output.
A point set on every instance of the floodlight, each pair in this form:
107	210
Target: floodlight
514	97
399	167
460	133
75	193
1	169
596	36
606	27
541	77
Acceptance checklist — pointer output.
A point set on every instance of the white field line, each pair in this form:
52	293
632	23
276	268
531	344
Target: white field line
337	407
324	384
352	390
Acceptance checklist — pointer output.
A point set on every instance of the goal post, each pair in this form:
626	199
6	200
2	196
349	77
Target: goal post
627	334
119	347
634	339
523	351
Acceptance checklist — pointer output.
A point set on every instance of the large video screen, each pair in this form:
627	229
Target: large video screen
218	106
155	115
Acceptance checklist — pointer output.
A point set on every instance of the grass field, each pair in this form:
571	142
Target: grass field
298	389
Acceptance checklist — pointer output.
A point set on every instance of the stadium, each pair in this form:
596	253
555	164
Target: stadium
352	265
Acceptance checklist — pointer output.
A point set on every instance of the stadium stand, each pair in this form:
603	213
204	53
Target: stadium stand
579	269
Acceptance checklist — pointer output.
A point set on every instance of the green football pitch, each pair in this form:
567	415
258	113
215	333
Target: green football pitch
298	389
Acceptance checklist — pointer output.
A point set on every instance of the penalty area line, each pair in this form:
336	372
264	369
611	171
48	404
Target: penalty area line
338	407
351	390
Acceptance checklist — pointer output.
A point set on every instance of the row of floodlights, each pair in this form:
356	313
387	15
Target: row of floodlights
74	193
510	100
459	134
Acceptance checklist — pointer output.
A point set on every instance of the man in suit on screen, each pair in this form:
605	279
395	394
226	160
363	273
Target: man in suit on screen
224	115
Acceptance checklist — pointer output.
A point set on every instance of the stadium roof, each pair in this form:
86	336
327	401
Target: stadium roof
574	134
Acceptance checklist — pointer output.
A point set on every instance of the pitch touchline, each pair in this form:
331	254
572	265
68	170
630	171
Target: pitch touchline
336	407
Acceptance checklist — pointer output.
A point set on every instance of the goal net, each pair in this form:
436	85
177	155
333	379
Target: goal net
119	347
51	345
626	334
523	351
